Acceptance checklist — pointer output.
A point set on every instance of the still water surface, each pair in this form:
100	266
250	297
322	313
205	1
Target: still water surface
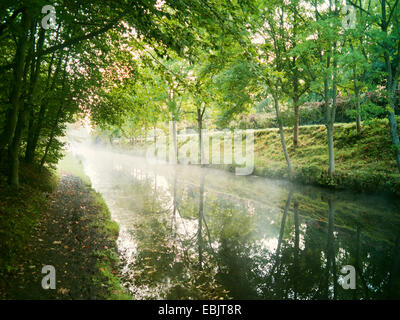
196	233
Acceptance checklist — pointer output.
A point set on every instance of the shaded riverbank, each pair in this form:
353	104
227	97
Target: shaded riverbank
75	234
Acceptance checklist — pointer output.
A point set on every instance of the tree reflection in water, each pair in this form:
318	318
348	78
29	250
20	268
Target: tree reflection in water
205	234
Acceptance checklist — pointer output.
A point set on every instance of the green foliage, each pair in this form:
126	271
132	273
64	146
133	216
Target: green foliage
131	67
363	162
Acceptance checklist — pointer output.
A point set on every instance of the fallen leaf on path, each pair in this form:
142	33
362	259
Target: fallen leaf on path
63	290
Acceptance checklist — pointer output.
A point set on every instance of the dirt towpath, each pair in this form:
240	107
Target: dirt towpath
69	238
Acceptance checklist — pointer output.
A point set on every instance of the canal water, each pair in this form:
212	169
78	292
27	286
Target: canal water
197	233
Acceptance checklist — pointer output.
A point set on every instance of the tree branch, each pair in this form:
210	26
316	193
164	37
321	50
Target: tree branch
392	10
10	19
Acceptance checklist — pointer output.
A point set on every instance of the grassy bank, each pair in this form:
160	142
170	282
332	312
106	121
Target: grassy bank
107	256
20	212
42	222
364	162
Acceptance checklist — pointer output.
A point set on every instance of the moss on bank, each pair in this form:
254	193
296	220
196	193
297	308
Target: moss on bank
108	259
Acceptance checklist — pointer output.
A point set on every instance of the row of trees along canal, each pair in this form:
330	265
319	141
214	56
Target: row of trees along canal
134	66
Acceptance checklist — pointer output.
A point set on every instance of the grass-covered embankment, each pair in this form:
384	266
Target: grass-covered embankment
364	162
69	228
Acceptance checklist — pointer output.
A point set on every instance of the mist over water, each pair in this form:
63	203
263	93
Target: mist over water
195	233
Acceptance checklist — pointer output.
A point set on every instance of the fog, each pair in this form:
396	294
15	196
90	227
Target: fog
188	232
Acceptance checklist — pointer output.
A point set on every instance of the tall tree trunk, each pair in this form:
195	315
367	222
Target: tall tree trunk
15	98
23	112
285	152
30	136
175	204
331	150
35	71
357	96
174	152
51	138
13	151
59	111
330	111
358	118
155	140
391	86
34	134
394	133
200	113
296	122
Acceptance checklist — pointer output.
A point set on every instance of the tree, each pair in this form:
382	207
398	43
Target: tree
84	30
326	44
272	62
285	24
383	30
